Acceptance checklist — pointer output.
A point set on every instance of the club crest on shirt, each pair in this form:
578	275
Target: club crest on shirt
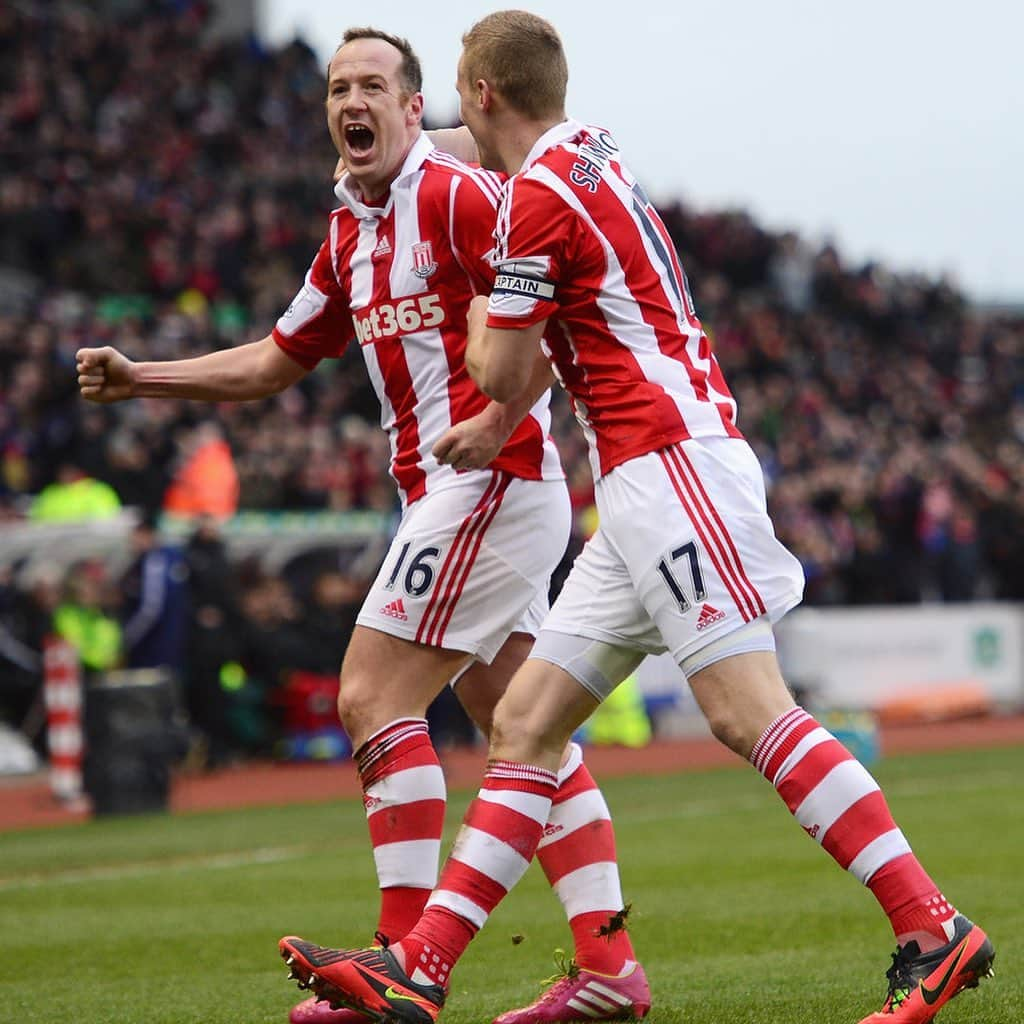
423	264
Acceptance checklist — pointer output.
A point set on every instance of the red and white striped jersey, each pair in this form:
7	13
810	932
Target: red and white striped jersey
399	277
579	244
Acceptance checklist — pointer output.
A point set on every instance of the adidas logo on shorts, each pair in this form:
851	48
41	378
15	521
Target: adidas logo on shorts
397	610
709	615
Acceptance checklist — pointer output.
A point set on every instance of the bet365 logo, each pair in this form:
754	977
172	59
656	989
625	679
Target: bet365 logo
387	320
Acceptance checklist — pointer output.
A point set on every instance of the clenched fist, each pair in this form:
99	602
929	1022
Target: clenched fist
104	375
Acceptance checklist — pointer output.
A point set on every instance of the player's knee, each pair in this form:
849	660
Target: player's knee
727	727
482	716
503	727
524	734
512	735
355	703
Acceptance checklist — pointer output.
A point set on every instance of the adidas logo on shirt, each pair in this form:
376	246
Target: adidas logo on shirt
709	615
383	249
397	610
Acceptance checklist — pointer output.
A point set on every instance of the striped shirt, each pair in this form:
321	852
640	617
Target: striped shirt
398	278
580	245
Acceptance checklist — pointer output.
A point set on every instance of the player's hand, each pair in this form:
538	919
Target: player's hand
104	375
473	443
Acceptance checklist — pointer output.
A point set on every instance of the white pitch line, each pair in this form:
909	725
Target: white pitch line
119	872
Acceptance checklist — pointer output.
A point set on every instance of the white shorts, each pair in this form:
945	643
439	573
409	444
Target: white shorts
471	563
684	554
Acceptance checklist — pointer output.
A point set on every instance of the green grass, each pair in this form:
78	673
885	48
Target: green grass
737	916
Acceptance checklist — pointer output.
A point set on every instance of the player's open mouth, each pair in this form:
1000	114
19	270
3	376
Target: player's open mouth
358	139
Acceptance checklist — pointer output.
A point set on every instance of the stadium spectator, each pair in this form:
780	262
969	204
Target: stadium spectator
684	558
334	602
206	483
214	626
155	601
87	617
25	621
74	497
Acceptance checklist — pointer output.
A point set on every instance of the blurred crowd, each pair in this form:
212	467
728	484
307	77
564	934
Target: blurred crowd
164	193
236	642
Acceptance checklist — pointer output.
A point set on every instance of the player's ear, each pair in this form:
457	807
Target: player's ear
414	111
484	94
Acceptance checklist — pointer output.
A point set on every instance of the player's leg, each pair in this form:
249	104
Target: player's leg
712	595
832	796
445	596
461	573
481	686
839	804
577	853
386	685
499	837
399	658
544	704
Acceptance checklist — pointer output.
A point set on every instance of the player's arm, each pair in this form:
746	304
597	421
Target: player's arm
256	370
315	326
534	242
458	142
477	442
504	361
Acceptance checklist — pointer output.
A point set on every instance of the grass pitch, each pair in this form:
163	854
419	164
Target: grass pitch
737	916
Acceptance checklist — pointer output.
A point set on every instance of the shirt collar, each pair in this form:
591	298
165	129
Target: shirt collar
567	129
347	191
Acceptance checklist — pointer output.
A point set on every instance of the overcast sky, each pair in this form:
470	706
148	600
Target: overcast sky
894	127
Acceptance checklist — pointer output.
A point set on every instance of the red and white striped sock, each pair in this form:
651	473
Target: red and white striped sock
839	805
404	796
512	808
577	853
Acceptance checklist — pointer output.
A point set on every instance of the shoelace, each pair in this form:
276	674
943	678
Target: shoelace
901	980
568	969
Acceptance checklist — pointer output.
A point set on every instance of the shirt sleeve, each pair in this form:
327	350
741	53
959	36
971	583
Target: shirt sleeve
473	216
534	230
318	323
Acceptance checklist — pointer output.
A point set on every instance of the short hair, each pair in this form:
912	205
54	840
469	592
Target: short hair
521	56
410	72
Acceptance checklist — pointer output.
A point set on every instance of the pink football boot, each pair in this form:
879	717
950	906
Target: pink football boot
318	1011
581	995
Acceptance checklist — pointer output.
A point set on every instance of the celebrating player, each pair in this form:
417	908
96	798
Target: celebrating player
685	558
485	507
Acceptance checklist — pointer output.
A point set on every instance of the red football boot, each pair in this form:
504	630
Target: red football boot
920	984
367	980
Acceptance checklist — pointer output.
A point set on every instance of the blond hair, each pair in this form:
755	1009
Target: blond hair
520	55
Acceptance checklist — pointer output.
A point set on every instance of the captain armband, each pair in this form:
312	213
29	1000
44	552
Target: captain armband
507	283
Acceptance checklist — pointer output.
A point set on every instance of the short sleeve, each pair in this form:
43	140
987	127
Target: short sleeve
318	323
473	216
535	228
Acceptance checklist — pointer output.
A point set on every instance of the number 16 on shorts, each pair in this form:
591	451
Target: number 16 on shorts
419	574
